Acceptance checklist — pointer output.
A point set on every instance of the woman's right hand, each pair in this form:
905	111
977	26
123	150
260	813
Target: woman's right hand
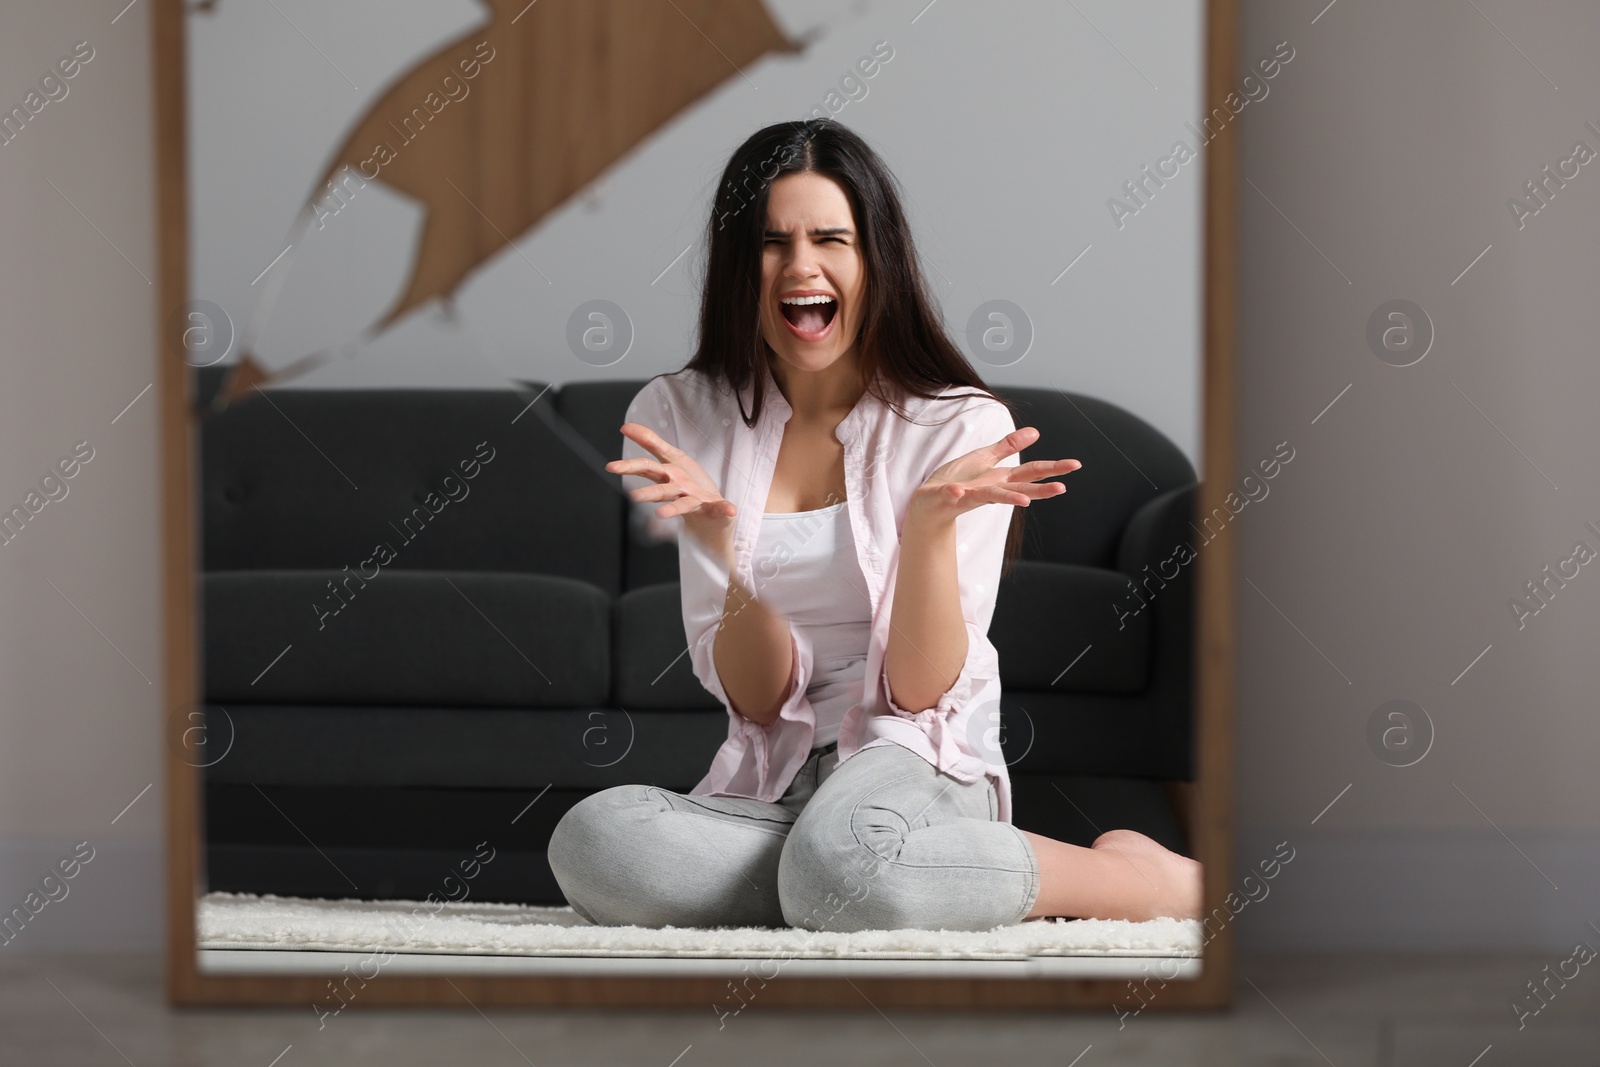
681	487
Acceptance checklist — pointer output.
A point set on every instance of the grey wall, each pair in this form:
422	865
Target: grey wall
1379	567
1425	498
80	609
1009	128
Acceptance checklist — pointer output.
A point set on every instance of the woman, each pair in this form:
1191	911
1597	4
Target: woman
846	484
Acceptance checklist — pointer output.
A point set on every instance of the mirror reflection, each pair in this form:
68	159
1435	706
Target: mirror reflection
630	519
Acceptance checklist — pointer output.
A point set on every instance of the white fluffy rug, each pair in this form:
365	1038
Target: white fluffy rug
248	921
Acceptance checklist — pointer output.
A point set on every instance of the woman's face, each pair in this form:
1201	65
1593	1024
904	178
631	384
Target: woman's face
810	250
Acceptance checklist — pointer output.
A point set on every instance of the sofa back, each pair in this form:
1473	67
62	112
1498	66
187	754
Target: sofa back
596	410
1126	462
316	478
444	479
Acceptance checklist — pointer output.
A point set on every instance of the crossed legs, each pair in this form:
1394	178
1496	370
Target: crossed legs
883	842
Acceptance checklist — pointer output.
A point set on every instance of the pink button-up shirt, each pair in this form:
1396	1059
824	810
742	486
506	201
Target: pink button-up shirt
886	457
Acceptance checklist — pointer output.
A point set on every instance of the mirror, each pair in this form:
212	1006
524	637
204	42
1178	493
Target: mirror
431	253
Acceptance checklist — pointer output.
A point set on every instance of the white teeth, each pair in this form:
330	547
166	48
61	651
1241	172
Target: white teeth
807	300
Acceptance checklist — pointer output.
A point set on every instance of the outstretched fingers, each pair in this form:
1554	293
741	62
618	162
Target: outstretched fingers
685	505
1033	470
1011	443
1039	490
650	494
1018	493
650	441
644	468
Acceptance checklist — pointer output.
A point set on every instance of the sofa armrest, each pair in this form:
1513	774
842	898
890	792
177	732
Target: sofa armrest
1160	525
1162	585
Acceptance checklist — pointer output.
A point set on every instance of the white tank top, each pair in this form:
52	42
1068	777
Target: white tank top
804	566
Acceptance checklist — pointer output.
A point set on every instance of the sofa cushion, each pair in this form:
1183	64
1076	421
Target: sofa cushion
460	748
449	479
596	411
1046	614
650	661
452	638
1078	808
1106	734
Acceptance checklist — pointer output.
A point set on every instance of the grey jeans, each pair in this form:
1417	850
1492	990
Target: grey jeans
883	841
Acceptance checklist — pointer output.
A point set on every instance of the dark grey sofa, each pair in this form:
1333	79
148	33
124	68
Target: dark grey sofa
372	717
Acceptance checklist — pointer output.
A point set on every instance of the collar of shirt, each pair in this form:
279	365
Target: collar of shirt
766	441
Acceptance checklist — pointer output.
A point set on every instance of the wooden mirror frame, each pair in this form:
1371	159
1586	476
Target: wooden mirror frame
1208	803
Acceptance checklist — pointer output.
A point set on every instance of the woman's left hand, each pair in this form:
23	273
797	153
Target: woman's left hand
973	480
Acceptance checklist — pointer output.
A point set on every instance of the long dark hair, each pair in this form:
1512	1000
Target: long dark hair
904	349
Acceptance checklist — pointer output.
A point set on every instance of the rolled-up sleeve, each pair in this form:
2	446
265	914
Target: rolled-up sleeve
964	708
764	756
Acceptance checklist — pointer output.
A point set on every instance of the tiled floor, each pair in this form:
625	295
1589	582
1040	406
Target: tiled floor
1348	1010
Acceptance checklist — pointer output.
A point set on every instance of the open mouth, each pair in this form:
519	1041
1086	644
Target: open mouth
809	316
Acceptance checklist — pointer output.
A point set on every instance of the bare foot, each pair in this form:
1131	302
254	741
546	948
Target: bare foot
1175	879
